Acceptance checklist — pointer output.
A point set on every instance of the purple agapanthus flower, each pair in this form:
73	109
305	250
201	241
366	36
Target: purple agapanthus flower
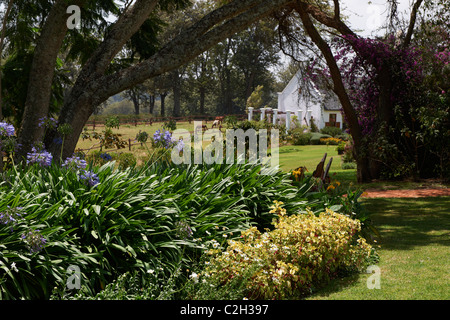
105	156
43	158
167	136
167	139
34	240
48	122
75	163
58	141
180	145
163	139
157	136
11	217
90	178
6	129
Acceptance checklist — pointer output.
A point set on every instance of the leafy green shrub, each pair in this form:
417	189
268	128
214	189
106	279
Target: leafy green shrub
313	125
125	160
231	122
246	125
301	252
316	136
300	138
348	165
170	125
344	136
332	131
134	219
112	122
132	285
340	147
348	152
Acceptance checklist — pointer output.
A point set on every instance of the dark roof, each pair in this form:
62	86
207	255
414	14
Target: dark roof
332	103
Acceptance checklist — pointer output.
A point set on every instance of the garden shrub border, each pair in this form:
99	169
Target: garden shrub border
303	251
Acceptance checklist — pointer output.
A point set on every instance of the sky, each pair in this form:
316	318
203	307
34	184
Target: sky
363	15
367	16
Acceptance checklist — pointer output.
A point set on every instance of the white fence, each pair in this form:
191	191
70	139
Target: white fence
276	115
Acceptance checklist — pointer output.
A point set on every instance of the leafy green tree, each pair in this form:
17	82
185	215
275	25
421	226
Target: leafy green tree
255	52
255	100
318	20
101	76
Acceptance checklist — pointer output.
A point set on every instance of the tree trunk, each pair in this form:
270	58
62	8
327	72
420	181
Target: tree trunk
163	104
41	77
134	96
152	103
228	92
249	81
363	171
136	106
2	38
94	86
202	99
176	88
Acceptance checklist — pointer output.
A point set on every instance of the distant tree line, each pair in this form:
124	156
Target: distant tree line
219	80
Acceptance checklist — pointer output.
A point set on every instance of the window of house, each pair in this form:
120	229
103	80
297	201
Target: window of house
332	117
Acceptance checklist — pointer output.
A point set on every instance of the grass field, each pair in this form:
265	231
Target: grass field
130	132
414	253
291	157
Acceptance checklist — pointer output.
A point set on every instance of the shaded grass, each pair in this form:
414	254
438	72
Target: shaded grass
414	253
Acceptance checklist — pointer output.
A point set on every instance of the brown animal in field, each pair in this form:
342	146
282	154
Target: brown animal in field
217	121
203	128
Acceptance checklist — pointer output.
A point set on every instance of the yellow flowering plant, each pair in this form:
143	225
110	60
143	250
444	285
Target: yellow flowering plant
333	185
277	208
299	174
302	251
331	140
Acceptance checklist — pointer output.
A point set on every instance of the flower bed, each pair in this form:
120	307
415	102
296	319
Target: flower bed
302	251
119	224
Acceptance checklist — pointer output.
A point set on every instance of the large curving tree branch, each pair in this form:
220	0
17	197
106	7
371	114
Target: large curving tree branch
338	85
332	22
412	22
202	35
189	44
117	35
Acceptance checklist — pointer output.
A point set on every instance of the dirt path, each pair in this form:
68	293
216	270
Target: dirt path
416	193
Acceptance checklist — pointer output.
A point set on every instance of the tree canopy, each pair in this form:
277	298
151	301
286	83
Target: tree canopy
52	68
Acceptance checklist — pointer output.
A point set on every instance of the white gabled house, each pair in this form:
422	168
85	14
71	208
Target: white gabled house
322	106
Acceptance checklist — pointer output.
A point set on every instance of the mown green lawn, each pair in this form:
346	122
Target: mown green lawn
291	157
414	253
309	156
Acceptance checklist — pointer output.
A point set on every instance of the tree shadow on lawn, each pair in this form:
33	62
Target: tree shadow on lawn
405	223
335	285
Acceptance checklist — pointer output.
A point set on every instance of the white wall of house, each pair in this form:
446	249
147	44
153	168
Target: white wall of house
288	100
326	117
